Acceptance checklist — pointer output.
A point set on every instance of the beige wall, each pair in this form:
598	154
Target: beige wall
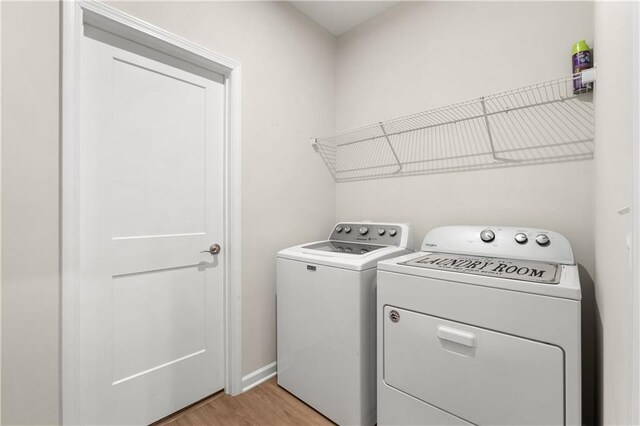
613	186
30	287
288	95
422	55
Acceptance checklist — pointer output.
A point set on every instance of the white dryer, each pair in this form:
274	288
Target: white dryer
480	327
326	321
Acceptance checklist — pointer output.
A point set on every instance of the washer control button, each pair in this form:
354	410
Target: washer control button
381	231
521	238
487	235
338	228
542	240
392	232
363	230
347	229
348	249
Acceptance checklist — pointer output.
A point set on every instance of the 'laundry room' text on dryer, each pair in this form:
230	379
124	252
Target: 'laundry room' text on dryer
504	268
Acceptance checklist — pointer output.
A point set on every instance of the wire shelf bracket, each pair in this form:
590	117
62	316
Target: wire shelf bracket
550	121
393	151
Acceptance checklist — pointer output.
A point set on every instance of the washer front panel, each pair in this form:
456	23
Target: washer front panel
538	272
326	339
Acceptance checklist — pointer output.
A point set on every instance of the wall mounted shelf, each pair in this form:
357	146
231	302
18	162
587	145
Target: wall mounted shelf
541	123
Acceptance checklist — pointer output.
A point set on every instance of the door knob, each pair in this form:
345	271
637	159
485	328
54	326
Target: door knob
214	249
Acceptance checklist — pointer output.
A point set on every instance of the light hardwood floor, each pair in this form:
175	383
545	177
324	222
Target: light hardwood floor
267	404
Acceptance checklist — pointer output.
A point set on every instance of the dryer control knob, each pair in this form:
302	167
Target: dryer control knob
392	232
521	238
338	228
363	230
487	235
542	239
380	231
347	229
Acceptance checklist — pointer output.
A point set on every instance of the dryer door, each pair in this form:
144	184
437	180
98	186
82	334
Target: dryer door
481	376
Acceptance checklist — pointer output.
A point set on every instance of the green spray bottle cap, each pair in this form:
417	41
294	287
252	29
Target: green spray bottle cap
580	46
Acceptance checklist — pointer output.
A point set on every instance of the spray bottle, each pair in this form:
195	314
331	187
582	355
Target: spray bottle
581	59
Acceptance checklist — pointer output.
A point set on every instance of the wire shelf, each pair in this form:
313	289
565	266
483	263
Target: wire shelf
541	123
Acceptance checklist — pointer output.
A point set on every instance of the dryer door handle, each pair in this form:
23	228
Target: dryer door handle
457	336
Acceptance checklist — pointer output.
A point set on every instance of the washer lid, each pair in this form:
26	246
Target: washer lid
522	270
353	249
343	260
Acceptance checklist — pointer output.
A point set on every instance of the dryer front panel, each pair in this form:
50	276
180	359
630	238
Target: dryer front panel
481	376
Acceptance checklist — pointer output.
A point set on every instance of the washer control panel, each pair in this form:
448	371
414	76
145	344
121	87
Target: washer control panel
500	241
384	234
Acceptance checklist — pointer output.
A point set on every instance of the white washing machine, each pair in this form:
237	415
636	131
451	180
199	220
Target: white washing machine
480	327
326	321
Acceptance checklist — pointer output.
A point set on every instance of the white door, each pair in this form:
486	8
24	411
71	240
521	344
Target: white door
152	201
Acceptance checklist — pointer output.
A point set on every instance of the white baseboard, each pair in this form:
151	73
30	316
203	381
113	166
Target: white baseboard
259	376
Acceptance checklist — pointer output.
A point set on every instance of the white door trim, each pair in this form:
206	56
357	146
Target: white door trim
0	216
635	216
75	14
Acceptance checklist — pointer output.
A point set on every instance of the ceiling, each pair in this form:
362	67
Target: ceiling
340	16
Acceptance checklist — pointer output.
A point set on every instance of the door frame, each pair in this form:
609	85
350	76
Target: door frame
74	15
635	217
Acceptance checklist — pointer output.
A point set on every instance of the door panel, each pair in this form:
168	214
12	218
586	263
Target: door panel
180	291
152	166
159	180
